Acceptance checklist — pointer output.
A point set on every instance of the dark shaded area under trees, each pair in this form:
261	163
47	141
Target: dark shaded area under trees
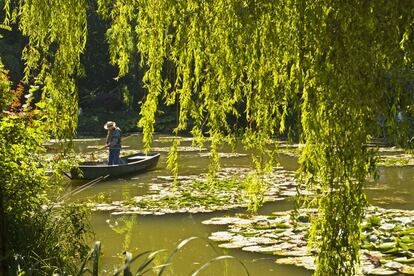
104	96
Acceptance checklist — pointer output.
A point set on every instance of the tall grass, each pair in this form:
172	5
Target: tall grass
145	261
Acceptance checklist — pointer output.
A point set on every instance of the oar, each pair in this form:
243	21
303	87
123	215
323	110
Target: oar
98	148
78	188
83	187
103	147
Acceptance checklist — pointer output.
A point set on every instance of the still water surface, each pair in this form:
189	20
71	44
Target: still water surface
394	189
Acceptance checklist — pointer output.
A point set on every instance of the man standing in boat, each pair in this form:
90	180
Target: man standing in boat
113	142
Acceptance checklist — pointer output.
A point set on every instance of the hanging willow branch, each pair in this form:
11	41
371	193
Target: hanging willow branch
332	63
56	32
271	57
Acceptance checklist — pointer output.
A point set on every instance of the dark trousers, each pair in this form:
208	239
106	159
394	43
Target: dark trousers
114	156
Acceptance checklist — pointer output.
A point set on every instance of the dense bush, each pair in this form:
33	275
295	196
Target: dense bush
36	235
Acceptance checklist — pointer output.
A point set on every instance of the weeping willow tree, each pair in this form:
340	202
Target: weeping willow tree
327	60
332	62
56	32
347	49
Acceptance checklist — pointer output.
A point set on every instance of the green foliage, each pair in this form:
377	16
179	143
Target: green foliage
148	263
334	64
95	256
56	34
374	221
45	239
125	226
35	235
172	160
52	240
342	93
119	35
323	60
256	187
6	94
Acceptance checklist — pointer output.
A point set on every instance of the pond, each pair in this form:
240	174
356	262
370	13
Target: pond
139	233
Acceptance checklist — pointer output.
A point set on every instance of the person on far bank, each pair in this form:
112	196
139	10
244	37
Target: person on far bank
113	142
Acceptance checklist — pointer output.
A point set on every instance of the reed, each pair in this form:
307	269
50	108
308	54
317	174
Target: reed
145	262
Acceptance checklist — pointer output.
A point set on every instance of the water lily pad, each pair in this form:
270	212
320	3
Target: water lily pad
105	207
78	140
404	220
226	220
407	270
221	236
179	149
404	260
386	246
180	177
250	233
281	246
289	193
393	265
409	230
237	244
305	261
293	252
259	249
407	239
369	245
272	199
383	251
381	271
224	154
172	138
387	226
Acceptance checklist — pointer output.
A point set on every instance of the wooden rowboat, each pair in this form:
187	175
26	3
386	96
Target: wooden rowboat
130	164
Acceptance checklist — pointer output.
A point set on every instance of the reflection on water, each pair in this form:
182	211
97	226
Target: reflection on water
394	189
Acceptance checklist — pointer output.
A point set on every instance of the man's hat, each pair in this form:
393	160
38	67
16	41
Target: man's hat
109	124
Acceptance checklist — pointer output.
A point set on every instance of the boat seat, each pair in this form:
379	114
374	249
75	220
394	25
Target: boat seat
136	158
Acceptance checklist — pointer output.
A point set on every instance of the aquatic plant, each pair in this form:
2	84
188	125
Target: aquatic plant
148	263
198	194
387	240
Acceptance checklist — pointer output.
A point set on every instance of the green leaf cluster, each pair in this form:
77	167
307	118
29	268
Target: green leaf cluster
335	65
327	61
34	234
